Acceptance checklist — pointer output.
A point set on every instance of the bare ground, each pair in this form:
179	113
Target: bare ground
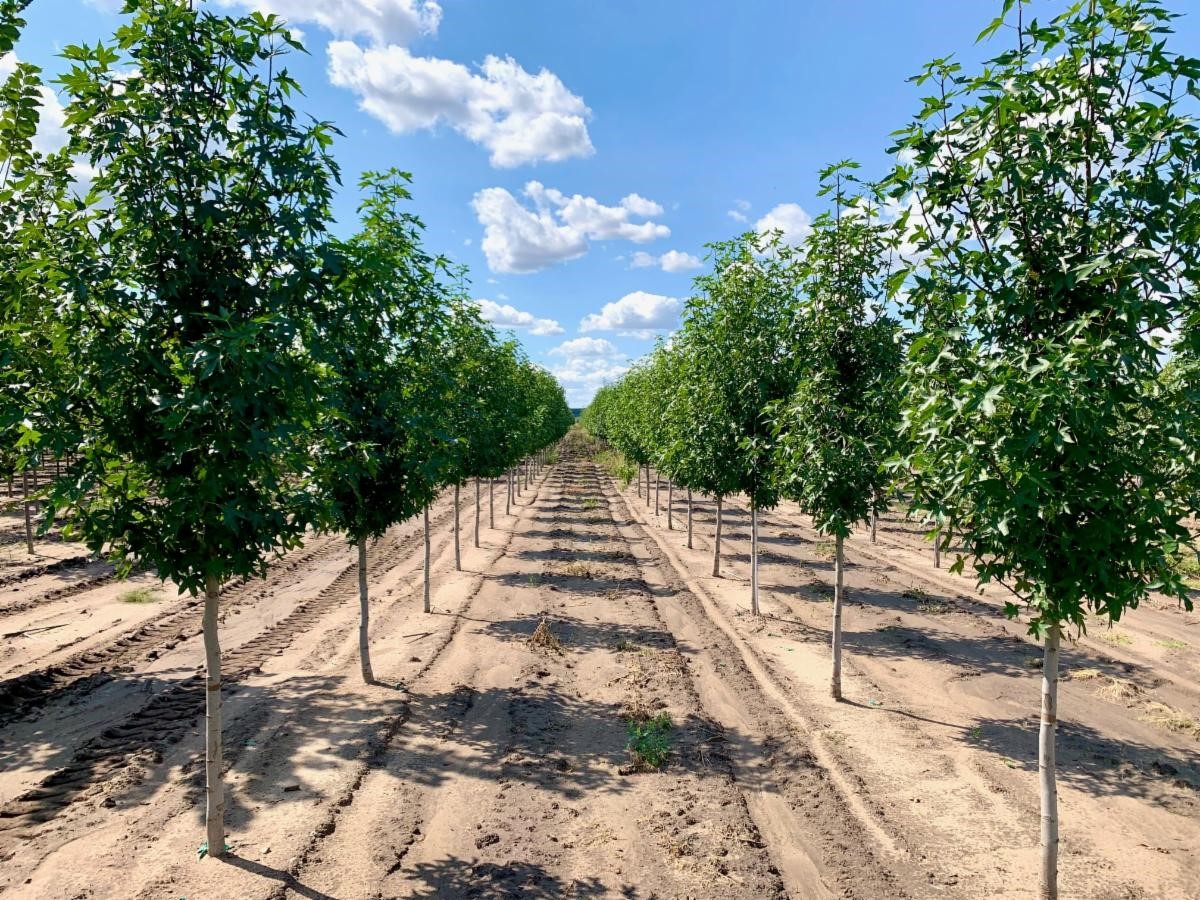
491	760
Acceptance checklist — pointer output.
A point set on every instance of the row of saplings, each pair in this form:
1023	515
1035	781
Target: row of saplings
1005	327
223	375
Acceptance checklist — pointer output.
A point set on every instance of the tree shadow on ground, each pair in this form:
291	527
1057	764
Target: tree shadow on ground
560	533
564	554
576	634
1096	763
458	878
591	584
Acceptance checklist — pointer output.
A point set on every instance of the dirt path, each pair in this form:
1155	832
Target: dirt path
941	724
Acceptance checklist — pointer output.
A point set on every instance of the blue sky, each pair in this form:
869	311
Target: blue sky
578	154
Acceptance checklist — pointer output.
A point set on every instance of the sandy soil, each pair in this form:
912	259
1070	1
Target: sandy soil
487	764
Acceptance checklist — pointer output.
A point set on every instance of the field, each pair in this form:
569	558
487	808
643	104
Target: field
493	757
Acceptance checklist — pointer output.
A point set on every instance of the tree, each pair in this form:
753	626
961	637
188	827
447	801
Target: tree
196	397
1056	213
734	365
833	435
377	331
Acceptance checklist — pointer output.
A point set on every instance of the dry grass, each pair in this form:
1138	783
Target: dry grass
1167	717
825	550
1173	644
1116	638
1108	687
579	570
543	638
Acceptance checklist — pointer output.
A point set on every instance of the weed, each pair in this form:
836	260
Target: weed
976	734
591	503
1116	638
140	595
825	549
627	646
579	570
542	637
1187	566
1084	674
534	580
1173	644
650	741
835	737
617	466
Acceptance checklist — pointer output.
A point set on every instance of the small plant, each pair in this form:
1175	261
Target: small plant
616	465
824	549
544	638
1188	566
1116	638
579	570
626	646
650	741
975	734
534	580
591	503
1173	644
140	595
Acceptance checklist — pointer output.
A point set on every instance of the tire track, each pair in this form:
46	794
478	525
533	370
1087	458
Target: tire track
144	735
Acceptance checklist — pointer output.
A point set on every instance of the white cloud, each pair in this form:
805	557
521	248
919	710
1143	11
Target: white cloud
586	347
789	218
586	365
557	228
109	6
518	116
740	208
671	261
380	21
504	316
677	261
638	314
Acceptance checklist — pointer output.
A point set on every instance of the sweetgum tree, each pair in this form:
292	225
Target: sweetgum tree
1056	210
194	393
834	433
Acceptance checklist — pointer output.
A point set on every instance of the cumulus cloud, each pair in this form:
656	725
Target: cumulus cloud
586	347
638	314
519	116
502	315
380	21
517	238
738	213
671	261
585	365
789	218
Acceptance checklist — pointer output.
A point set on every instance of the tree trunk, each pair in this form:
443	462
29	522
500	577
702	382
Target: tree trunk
508	491
647	487
835	681
214	789
753	559
492	503
476	510
657	488
639	481
364	614
1046	765
427	606
689	518
937	549
457	548
717	543
670	505
28	513
874	524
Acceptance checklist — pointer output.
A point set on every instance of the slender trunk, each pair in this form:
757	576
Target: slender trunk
457	547
28	513
214	789
670	505
937	549
689	518
1046	766
657	488
753	559
492	503
874	524
476	510
647	487
835	681
427	606
364	614
507	491
717	543
638	480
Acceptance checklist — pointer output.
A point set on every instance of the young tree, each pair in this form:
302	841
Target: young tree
736	365
834	433
1056	213
378	329
195	395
